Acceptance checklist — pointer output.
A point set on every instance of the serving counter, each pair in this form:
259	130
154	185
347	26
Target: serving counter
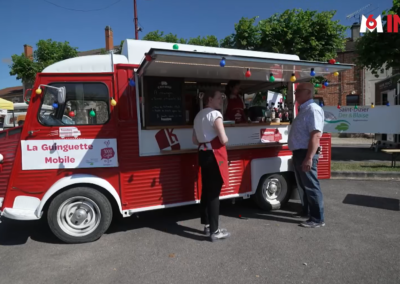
167	140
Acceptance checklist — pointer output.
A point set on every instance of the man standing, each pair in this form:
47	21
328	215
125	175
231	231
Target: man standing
304	138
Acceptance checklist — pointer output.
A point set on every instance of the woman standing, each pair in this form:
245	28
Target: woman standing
209	134
235	108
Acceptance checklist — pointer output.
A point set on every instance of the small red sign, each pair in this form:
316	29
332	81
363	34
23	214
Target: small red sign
270	135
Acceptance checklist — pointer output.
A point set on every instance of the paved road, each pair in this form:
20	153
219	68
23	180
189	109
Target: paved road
360	244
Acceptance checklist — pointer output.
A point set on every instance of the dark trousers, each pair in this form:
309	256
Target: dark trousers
309	187
212	182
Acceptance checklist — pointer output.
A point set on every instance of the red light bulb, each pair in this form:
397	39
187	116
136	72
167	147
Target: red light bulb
71	114
248	73
338	106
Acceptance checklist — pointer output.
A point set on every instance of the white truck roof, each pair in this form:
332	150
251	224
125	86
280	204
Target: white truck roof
133	53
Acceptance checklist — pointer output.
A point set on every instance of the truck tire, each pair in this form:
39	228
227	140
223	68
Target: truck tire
79	215
272	192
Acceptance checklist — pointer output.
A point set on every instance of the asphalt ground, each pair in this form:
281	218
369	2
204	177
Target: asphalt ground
360	244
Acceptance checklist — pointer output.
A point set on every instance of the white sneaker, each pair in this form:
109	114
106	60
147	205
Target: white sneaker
220	235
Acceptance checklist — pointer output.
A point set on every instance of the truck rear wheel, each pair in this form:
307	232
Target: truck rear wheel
272	192
79	215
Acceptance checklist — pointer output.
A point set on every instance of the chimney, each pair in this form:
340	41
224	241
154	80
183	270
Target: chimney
28	51
355	31
109	39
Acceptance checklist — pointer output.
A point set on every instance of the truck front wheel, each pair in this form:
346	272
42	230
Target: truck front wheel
272	192
79	215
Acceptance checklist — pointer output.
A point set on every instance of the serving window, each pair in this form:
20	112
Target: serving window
170	82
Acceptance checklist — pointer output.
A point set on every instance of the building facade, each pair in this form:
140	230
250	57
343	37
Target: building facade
351	87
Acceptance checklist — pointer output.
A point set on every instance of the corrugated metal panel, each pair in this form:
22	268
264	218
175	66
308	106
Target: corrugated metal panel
236	169
324	165
9	140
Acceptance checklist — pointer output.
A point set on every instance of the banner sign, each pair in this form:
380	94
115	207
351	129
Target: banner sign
69	154
363	119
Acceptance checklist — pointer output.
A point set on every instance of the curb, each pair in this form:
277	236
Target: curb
365	175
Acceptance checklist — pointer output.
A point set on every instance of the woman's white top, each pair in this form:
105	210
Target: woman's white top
204	125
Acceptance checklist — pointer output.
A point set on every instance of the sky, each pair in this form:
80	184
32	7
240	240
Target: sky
27	21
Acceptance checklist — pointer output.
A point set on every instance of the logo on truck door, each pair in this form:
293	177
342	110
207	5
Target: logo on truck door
167	139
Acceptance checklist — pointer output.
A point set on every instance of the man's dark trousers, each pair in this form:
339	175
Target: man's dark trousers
308	183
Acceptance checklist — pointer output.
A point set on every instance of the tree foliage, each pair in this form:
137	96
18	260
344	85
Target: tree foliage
159	36
377	51
311	35
47	52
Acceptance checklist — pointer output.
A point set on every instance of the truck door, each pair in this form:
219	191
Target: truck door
85	118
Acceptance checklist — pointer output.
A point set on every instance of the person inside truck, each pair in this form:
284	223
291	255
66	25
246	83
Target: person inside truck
209	134
235	109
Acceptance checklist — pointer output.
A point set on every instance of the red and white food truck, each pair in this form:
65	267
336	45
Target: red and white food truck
126	146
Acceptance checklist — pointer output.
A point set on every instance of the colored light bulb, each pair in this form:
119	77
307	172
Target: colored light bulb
248	73
92	113
338	106
132	83
372	105
113	102
293	78
312	73
326	83
336	74
222	62
55	105
71	114
175	46
271	78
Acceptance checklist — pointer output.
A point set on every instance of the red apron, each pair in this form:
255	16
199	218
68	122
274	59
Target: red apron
235	110
221	156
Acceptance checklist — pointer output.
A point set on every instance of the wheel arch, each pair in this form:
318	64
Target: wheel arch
263	167
85	180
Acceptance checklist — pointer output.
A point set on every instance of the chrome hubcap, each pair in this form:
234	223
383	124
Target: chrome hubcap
271	188
78	216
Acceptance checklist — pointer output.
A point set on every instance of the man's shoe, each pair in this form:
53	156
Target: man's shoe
220	235
207	230
311	224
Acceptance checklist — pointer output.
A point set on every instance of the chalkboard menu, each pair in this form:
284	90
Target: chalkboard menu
164	101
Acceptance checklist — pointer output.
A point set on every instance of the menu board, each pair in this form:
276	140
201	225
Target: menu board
164	101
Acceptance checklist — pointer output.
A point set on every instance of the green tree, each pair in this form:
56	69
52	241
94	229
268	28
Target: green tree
311	35
377	51
159	36
47	52
204	41
246	36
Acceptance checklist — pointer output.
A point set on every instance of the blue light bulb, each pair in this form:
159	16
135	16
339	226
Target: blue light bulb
312	72
326	83
388	104
132	83
55	105
222	62
321	104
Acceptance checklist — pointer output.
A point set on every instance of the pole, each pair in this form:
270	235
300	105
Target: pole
136	20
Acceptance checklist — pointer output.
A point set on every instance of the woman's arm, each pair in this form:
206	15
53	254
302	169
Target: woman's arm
219	126
194	138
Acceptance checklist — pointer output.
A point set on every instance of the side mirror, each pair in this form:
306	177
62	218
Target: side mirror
61	95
